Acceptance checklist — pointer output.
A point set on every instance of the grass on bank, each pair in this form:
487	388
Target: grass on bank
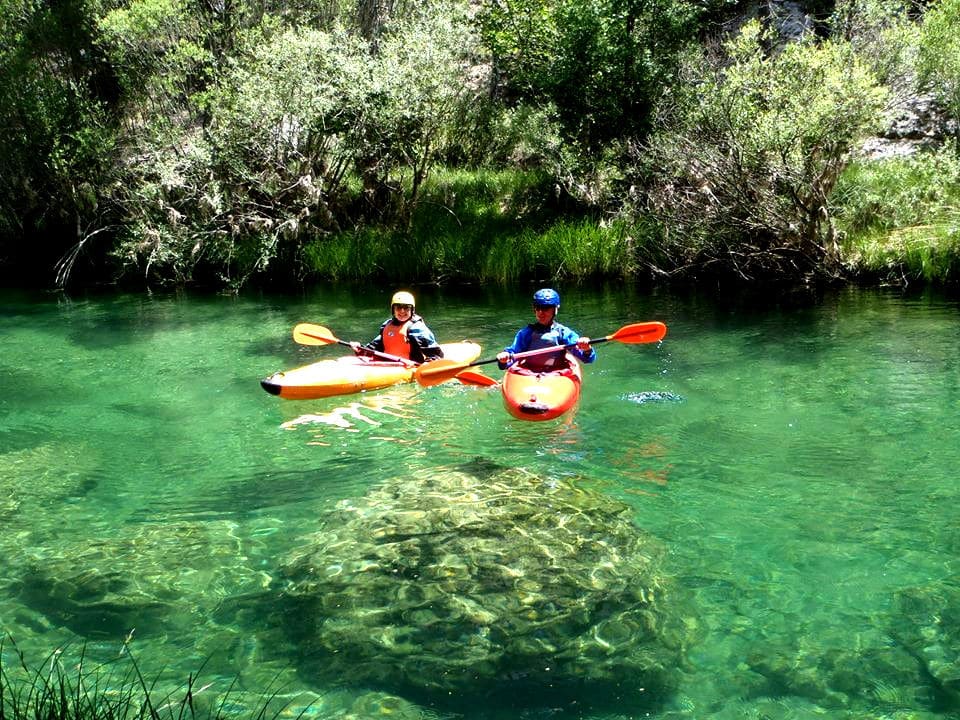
484	225
110	691
901	217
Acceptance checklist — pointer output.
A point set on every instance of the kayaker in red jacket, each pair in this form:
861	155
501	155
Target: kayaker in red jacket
404	334
546	332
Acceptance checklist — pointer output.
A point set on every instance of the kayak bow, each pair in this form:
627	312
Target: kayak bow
529	395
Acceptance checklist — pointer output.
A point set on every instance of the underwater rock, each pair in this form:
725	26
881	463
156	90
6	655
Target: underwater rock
928	626
508	585
842	678
154	578
32	479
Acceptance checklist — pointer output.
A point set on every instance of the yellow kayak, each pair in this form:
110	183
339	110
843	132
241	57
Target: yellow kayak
353	374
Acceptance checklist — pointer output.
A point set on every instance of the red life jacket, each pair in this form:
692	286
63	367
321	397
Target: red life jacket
395	340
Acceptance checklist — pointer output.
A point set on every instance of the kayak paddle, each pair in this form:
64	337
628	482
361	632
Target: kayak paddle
310	334
438	371
474	377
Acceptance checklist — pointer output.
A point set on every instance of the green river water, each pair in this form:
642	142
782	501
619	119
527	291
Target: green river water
796	463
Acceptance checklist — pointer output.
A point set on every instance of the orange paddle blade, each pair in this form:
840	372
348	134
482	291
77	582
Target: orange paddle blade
310	334
472	377
644	332
438	371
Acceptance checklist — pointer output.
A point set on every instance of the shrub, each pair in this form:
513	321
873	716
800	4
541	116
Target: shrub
744	165
939	60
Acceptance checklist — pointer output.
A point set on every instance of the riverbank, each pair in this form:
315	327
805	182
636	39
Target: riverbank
900	218
896	221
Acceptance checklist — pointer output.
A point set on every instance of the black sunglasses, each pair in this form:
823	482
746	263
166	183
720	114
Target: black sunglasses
403	307
543	307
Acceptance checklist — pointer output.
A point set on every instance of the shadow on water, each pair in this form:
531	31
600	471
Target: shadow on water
29	386
530	692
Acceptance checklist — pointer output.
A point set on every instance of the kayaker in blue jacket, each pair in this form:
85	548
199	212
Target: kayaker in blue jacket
404	334
546	332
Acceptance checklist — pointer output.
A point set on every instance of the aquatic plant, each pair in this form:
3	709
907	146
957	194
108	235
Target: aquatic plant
100	586
482	225
899	216
115	690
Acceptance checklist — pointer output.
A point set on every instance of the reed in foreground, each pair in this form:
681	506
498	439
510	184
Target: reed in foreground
108	691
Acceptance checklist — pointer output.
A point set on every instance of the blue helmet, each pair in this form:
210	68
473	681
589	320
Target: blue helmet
546	297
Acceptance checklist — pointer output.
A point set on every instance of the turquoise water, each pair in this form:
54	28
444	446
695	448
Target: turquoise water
796	463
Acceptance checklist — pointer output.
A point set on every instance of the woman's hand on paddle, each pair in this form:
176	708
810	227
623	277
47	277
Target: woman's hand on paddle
356	347
504	357
583	344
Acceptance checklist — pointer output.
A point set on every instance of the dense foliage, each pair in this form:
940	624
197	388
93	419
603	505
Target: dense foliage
57	97
180	141
603	64
745	166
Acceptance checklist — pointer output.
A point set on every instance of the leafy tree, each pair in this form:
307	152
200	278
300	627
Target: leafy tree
883	35
939	59
159	49
421	87
56	93
292	124
199	200
744	166
602	63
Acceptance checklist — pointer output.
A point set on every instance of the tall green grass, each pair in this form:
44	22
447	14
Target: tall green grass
483	225
900	217
62	690
929	251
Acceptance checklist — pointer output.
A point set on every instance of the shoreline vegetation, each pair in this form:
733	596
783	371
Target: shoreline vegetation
110	691
162	143
898	220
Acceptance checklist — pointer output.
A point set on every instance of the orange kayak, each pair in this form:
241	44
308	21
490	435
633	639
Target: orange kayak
530	395
352	374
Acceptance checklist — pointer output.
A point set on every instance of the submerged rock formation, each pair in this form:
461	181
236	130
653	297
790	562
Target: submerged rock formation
928	627
499	585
